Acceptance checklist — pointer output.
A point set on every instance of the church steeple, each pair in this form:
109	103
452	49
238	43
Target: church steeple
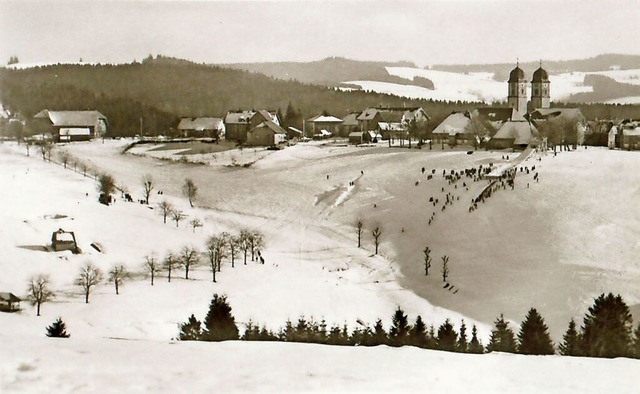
540	97
517	97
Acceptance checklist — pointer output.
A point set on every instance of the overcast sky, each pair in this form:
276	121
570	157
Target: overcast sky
425	32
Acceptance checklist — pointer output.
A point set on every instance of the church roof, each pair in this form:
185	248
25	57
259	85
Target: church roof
516	75
540	75
522	133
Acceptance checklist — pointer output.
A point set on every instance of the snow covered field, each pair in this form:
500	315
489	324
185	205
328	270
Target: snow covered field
313	268
454	86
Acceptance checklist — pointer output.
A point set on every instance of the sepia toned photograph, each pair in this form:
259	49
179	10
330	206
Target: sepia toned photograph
312	196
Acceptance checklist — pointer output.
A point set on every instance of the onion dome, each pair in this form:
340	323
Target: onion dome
516	75
540	75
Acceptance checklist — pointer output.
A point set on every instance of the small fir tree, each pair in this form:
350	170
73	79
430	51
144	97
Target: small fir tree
533	337
220	325
570	345
191	330
399	331
462	345
475	346
58	329
379	334
447	336
502	337
418	333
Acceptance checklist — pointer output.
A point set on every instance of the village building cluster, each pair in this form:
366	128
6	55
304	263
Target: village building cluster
522	122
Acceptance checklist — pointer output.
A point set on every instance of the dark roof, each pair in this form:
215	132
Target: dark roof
516	75
239	117
271	126
540	75
9	297
351	119
500	114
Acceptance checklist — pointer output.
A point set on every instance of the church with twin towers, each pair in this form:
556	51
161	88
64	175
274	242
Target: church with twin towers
540	94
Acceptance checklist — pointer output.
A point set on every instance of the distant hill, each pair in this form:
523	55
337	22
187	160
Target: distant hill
597	63
332	71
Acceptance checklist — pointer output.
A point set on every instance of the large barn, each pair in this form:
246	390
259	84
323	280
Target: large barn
266	134
67	126
238	123
205	127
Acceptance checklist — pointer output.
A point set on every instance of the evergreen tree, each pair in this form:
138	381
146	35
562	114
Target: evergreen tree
606	330
399	331
475	346
219	323
379	334
57	329
636	342
533	337
570	345
502	337
191	330
462	345
418	334
447	336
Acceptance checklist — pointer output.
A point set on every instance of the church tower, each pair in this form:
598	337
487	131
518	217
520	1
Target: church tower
540	89
517	97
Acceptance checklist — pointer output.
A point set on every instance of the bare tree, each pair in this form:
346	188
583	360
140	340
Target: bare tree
117	275
106	186
89	276
177	216
233	245
216	248
188	258
195	223
256	242
190	190
376	233
85	167
359	230
166	208
152	265
445	268
64	157
38	291
170	263
245	243
147	187
480	128
427	260
46	147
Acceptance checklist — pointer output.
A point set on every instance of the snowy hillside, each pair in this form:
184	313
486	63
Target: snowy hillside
299	199
482	86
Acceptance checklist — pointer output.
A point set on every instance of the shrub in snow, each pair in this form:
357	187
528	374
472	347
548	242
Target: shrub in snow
191	330
57	330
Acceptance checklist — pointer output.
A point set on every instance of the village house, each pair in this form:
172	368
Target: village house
629	131
326	122
238	123
452	127
393	119
350	124
9	302
67	126
266	133
204	127
362	137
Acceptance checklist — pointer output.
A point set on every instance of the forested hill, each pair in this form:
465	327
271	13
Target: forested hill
163	89
598	63
332	71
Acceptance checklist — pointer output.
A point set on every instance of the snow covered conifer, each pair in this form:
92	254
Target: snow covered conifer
502	337
57	329
220	325
462	345
533	337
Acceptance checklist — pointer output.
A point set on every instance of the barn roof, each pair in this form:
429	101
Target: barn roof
326	119
71	118
522	132
351	119
270	125
239	117
8	297
200	124
453	124
391	126
368	114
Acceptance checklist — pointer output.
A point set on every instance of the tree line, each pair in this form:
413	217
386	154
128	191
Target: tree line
606	332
